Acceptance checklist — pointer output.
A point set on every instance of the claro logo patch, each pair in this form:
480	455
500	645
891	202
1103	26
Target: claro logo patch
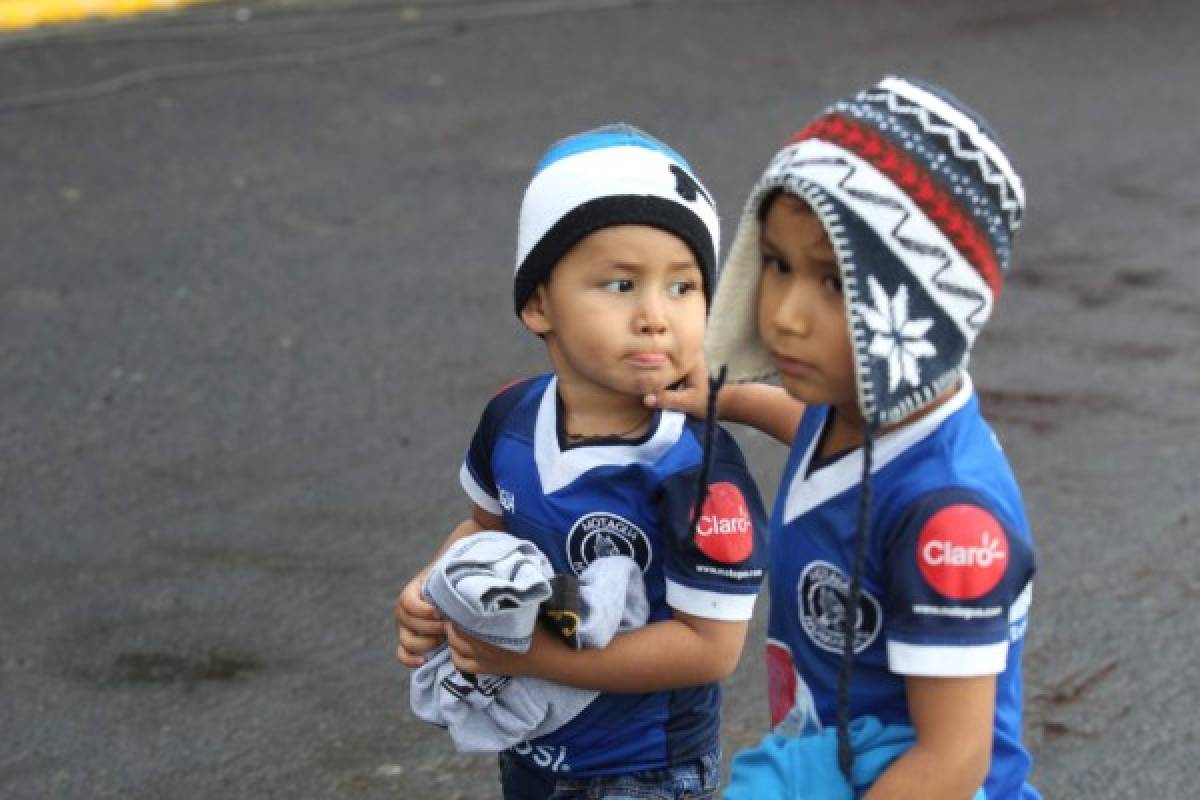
725	531
962	552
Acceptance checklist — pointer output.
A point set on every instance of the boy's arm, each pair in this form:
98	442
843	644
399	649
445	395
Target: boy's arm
953	718
419	626
950	661
670	654
768	408
712	570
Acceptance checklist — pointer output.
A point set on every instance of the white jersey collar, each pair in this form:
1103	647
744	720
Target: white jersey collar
805	494
558	468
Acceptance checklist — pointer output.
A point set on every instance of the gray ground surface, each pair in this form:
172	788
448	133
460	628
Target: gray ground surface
254	283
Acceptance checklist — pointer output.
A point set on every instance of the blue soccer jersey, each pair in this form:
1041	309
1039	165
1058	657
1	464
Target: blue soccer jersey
578	502
947	583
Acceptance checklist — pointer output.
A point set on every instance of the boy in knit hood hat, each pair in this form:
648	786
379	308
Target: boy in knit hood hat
616	250
869	256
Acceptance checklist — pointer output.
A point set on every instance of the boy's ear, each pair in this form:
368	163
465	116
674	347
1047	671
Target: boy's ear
534	313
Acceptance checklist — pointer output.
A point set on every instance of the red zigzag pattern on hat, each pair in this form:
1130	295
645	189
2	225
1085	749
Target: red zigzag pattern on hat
912	177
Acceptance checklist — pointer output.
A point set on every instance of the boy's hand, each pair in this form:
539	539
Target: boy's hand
691	397
419	626
478	657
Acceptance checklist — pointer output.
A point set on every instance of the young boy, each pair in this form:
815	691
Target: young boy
616	249
870	254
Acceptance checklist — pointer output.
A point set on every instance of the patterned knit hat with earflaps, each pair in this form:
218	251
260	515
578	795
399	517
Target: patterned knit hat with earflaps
613	175
920	204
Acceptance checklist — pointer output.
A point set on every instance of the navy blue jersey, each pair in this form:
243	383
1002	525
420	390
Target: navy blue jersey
947	583
578	502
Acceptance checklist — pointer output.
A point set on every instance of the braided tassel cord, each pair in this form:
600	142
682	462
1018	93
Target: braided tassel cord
850	622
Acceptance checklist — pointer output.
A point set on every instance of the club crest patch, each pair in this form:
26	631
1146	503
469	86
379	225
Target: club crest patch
602	534
822	595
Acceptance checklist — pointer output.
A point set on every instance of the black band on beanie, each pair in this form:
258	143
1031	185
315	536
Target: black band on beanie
605	212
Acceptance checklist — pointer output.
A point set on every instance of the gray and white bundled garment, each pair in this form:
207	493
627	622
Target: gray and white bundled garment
492	585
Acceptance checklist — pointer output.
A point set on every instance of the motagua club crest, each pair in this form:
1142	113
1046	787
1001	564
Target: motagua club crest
823	590
601	534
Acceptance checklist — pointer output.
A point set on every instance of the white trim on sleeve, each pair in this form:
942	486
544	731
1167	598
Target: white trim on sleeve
710	605
477	493
947	661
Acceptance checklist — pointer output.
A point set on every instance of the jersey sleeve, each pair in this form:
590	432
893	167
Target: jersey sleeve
476	474
715	570
958	582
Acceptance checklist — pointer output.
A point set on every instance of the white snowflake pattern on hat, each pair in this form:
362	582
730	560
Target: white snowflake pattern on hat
898	340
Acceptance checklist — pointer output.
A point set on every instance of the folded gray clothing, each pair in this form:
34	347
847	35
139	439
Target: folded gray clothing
612	597
489	713
490	584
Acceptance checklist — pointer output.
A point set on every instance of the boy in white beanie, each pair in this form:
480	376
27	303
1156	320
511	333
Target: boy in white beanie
616	250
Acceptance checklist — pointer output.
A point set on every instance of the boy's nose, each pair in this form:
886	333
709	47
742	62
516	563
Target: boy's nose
651	317
792	314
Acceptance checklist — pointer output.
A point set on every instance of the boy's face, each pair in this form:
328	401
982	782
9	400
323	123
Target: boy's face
801	312
622	312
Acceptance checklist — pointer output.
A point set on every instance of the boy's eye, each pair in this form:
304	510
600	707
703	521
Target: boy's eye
619	285
833	281
772	263
680	288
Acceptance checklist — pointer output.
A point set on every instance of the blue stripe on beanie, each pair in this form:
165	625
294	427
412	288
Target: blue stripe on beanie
619	134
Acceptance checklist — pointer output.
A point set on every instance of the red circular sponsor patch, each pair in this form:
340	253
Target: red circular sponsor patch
962	552
725	531
781	681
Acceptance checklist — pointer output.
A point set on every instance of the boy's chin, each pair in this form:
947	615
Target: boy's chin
653	383
805	392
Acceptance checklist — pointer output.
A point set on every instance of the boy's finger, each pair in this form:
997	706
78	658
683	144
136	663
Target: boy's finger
426	617
660	399
673	400
416	607
410	660
418	645
421	627
453	637
460	643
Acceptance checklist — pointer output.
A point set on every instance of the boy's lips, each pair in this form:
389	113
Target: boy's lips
648	360
789	365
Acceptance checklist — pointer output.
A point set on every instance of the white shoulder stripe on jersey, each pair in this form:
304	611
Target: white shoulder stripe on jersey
947	661
804	495
710	605
558	469
1020	607
477	493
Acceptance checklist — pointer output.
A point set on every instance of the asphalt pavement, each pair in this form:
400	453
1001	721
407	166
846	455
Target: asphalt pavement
255	267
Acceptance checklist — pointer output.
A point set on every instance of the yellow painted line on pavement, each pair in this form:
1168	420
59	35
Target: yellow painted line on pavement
21	14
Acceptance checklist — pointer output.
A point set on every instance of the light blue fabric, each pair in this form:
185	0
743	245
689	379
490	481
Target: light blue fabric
806	767
617	135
